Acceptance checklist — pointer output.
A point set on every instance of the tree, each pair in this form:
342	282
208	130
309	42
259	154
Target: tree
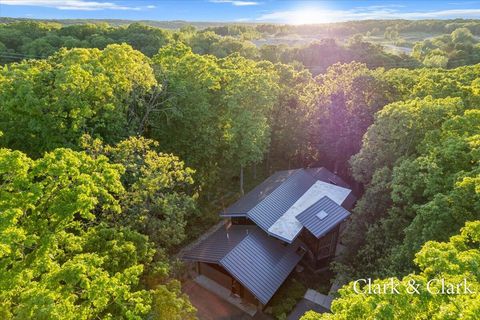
192	83
347	99
446	176
448	50
73	92
43	256
208	42
438	83
170	303
455	261
436	58
58	259
398	129
248	99
364	246
235	94
157	200
462	35
420	173
290	118
143	38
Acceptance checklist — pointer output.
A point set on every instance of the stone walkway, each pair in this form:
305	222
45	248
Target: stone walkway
322	300
302	307
319	298
316	301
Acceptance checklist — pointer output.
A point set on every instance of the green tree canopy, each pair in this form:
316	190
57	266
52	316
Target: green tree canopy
419	164
74	92
453	261
157	200
57	260
347	98
217	109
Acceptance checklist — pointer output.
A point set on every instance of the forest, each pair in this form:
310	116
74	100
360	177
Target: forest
120	143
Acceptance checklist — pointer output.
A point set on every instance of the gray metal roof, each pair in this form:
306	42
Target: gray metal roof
243	205
257	194
325	175
319	227
217	245
268	211
261	263
349	201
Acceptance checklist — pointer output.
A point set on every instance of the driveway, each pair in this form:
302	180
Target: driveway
211	307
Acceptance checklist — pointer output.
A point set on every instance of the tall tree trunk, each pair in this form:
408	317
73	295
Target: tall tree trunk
241	180
267	163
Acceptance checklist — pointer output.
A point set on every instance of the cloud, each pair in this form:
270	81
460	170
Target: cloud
463	3
461	13
320	15
238	3
82	5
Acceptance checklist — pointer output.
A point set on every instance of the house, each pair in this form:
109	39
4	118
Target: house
293	216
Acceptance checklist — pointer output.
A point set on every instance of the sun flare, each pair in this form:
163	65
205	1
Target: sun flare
309	16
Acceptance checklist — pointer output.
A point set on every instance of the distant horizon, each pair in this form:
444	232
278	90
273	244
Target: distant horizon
228	22
240	11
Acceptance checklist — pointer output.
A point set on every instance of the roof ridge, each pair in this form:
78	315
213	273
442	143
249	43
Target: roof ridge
269	185
274	193
274	266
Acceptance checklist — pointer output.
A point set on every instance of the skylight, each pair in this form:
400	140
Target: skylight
321	215
287	227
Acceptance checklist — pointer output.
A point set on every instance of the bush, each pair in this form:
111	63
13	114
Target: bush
286	298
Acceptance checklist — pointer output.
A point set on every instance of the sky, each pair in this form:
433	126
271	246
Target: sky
293	12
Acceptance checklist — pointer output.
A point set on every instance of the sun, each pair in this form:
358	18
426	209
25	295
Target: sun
309	16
